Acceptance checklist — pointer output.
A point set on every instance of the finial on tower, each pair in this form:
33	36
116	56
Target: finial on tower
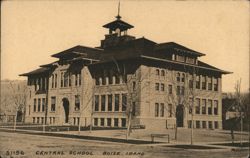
118	15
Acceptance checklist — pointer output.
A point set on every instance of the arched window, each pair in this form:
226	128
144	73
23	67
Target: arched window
100	81
117	79
110	76
178	77
157	72
97	81
162	73
183	78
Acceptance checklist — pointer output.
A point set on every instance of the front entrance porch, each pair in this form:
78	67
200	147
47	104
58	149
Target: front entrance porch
180	116
66	110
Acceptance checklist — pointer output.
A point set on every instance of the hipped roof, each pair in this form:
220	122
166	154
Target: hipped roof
36	72
177	48
79	51
137	48
118	24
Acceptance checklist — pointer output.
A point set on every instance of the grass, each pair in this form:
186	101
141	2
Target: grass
130	141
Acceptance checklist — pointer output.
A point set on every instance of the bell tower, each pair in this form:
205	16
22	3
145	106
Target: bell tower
118	32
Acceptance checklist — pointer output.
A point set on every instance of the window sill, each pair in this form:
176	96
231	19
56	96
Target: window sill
160	117
119	84
206	90
65	87
109	111
206	114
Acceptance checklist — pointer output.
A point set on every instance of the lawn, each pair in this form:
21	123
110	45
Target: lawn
200	136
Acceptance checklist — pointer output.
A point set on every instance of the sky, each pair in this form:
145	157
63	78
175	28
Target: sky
31	31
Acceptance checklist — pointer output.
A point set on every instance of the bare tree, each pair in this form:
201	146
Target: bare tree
19	97
133	84
6	101
195	83
92	107
88	92
183	94
192	93
121	71
240	106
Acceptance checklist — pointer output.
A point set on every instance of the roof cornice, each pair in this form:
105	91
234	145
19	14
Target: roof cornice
196	66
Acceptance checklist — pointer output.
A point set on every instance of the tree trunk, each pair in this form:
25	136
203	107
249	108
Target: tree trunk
91	123
24	114
44	125
79	125
249	133
241	128
232	135
128	127
175	135
192	128
92	110
46	106
129	124
15	117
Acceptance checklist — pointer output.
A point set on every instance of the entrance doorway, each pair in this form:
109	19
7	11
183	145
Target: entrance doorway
66	109
179	115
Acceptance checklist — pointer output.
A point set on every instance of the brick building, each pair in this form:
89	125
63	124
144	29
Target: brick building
157	85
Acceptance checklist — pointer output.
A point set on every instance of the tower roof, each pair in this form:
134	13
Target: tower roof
118	24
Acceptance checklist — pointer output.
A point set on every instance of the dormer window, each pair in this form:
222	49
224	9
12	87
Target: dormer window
180	58
190	60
